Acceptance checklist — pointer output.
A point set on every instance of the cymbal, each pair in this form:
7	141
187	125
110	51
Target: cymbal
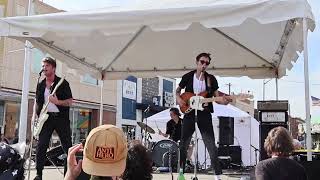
146	127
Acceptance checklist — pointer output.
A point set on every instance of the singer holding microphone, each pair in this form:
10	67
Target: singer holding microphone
58	111
195	82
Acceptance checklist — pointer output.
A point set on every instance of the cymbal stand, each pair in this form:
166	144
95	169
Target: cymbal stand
145	130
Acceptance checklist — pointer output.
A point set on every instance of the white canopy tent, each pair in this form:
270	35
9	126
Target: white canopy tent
163	37
246	131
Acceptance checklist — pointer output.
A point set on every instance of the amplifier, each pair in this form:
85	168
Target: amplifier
273	105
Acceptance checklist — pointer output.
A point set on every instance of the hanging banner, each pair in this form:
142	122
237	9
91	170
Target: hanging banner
129	89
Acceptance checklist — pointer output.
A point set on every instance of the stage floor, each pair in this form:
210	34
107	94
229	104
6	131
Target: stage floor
51	173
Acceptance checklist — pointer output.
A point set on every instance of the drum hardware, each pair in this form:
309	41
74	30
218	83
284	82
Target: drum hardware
145	127
164	154
147	131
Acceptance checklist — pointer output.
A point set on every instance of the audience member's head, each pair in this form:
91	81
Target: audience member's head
139	164
11	163
105	151
278	142
104	154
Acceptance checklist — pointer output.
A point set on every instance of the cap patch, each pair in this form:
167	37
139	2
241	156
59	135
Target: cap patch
104	153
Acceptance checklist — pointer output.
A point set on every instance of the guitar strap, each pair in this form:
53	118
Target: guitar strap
209	87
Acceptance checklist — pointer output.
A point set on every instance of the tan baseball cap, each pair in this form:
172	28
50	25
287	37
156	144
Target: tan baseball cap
105	151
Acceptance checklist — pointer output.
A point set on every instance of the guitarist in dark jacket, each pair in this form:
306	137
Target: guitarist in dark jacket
58	111
198	81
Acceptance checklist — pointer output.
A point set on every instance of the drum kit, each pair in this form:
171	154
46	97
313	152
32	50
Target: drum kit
165	153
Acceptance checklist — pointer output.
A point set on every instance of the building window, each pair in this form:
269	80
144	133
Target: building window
20	10
37	57
80	124
88	79
129	131
1	113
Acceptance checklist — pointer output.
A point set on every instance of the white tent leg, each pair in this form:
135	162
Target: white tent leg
101	103
277	89
306	88
23	121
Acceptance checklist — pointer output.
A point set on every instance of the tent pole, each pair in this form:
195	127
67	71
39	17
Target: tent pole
306	88
23	120
277	89
263	90
101	101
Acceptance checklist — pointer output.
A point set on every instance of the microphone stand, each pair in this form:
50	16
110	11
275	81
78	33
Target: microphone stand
255	152
196	137
33	125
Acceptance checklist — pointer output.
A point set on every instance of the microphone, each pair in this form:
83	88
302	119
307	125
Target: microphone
147	110
41	72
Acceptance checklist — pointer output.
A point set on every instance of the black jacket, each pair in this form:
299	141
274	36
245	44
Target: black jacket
62	93
187	83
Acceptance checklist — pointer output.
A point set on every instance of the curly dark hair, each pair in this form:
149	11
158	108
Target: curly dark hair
278	142
139	164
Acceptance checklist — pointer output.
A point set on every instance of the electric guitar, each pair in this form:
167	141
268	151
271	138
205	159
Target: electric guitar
43	116
196	102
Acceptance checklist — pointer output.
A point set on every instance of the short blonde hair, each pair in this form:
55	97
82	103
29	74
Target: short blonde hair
279	142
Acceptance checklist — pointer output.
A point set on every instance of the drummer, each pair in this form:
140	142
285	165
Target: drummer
173	130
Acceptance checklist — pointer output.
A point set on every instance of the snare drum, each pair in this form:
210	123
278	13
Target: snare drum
161	154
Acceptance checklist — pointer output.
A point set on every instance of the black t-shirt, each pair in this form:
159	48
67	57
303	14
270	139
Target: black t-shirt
174	130
210	81
62	93
280	168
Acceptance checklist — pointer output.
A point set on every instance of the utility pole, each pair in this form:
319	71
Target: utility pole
264	88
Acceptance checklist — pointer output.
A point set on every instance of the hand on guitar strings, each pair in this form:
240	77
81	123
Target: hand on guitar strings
53	99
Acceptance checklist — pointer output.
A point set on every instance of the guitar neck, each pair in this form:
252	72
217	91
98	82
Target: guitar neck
212	99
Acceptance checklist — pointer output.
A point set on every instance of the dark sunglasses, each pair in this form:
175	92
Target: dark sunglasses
204	62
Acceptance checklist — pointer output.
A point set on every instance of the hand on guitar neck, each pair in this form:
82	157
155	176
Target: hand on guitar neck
224	100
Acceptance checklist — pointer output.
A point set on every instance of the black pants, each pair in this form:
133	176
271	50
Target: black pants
206	129
62	126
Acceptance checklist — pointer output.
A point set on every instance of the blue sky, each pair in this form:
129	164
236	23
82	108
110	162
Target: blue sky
291	87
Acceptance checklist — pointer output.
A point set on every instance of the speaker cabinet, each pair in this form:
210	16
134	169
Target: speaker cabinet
233	151
226	130
264	130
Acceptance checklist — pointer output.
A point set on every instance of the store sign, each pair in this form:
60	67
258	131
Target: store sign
168	99
156	100
129	90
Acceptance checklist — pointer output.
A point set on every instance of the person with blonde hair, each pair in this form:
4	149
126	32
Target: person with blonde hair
279	146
